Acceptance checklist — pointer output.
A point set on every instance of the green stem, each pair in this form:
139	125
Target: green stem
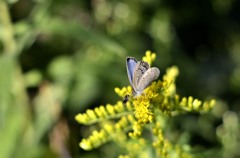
9	42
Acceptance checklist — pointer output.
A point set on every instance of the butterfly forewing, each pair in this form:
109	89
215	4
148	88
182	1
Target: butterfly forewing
131	64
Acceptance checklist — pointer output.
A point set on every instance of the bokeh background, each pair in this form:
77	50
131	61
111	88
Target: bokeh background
59	58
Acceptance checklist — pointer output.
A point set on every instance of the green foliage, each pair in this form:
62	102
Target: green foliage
59	58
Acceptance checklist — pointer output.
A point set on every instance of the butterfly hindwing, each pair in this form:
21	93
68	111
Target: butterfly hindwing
149	76
139	71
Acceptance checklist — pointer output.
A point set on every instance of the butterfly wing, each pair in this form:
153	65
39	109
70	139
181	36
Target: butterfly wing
148	77
140	69
131	64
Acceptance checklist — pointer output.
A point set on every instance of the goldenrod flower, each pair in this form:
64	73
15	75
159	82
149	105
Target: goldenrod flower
149	57
118	121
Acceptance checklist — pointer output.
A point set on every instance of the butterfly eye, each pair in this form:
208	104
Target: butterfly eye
125	99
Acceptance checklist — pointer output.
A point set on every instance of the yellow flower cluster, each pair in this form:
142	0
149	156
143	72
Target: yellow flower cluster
134	147
191	104
169	79
124	91
103	112
149	57
108	132
139	113
141	106
163	146
95	140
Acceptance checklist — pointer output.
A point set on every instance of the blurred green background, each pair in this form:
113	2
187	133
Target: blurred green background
58	58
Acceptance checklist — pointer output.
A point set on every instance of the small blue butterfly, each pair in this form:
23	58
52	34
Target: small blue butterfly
140	75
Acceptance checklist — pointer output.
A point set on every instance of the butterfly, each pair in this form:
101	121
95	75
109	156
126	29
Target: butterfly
140	76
